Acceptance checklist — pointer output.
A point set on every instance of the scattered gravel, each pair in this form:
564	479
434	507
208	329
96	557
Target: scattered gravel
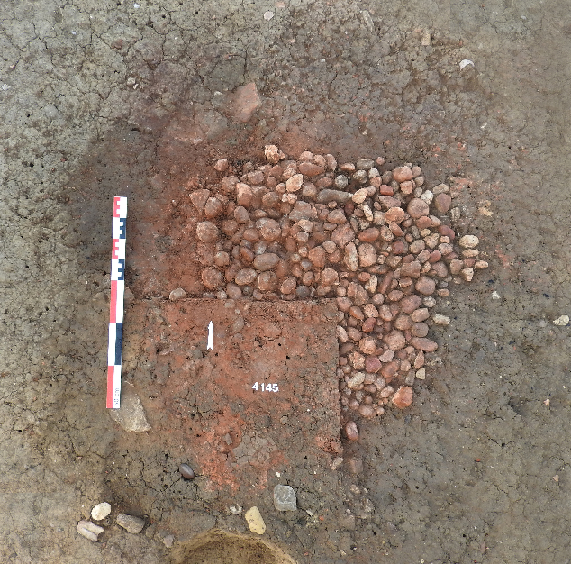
378	240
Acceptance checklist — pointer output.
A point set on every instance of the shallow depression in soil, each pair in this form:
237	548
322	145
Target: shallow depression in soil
223	547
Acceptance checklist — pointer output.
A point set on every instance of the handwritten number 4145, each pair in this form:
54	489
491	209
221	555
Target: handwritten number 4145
265	387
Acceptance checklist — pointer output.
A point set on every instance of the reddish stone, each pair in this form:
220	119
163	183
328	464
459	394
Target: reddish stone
419	360
386	190
367	255
213	208
394	214
246	255
343	303
336	216
395	295
324	182
388	201
447	231
199	198
406	187
389	370
423	222
442	203
395	340
403	397
372	364
267	281
402	174
246	102
369	325
368	346
244	195
411	269
356	312
424	344
400	247
352	431
435	256
317	257
396	229
385	313
420	314
402	322
440	269
456	265
343	235
417	208
369	235
426	286
212	278
245	277
206	231
229	227
329	277
410	303
387	280
310	169
288	286
251	235
266	261
420	329
269	229
281	269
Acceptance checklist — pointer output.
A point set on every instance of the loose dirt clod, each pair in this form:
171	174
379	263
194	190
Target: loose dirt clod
379	241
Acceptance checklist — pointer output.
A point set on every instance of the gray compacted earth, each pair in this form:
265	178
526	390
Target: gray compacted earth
113	97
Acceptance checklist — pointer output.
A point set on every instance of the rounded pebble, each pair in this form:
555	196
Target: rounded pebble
186	471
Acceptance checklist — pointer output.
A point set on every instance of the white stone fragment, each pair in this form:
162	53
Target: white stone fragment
562	320
464	63
468	241
101	511
89	530
441	320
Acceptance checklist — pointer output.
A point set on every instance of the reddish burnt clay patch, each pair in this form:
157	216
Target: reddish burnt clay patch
204	407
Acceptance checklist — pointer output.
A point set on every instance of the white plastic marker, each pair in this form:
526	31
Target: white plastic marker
114	349
210	342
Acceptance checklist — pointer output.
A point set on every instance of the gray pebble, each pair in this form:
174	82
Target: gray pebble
284	498
329	195
132	524
365	164
303	292
186	471
341	181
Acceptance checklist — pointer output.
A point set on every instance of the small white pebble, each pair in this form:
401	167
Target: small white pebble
441	320
268	16
464	63
495	295
562	320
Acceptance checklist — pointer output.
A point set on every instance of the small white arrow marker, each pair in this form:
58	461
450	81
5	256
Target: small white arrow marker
210	343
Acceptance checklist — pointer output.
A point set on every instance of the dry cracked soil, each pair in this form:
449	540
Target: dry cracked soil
103	98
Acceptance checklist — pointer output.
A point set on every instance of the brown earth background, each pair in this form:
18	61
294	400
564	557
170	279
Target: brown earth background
104	98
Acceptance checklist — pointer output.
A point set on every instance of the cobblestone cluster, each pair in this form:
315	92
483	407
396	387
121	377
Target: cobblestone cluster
377	240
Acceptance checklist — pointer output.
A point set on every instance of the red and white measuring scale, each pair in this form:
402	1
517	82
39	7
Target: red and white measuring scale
115	347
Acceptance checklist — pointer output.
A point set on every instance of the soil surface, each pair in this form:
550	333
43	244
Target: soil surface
140	99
